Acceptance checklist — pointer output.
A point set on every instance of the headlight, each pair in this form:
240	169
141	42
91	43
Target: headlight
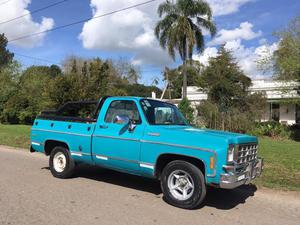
230	153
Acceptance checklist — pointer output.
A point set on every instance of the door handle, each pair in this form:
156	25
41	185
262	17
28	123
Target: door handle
103	126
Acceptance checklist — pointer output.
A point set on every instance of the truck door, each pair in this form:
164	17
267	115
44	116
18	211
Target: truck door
114	145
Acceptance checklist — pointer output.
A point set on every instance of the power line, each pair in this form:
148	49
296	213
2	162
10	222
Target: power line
81	21
37	58
34	11
2	3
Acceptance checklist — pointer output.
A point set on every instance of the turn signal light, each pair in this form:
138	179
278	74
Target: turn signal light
211	162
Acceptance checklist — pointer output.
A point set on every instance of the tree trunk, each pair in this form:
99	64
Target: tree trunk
184	85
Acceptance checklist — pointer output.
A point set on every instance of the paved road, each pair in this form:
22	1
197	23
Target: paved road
30	195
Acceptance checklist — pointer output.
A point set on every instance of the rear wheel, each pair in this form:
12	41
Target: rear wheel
61	164
183	184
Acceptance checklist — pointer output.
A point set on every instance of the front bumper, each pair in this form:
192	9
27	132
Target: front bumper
239	175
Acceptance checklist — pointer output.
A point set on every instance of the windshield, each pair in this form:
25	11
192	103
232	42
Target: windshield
162	113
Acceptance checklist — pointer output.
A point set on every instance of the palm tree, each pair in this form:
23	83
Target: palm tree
181	29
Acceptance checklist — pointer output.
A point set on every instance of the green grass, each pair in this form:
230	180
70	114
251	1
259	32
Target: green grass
15	135
282	164
282	158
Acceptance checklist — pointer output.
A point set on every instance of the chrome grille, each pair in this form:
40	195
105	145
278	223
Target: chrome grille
247	152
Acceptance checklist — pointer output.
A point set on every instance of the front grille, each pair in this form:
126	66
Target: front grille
247	152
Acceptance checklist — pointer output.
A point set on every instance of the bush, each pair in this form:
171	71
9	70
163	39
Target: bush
187	110
272	129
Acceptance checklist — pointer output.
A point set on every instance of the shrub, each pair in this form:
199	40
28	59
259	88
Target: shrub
272	129
187	110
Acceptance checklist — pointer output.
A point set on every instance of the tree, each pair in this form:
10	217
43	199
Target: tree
230	106
187	110
175	79
286	57
181	29
6	56
9	78
224	81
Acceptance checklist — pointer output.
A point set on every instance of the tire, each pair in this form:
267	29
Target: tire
61	164
185	175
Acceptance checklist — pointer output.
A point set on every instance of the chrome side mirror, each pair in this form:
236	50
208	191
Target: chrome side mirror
131	126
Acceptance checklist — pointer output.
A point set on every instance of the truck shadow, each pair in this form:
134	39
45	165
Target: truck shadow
216	198
228	199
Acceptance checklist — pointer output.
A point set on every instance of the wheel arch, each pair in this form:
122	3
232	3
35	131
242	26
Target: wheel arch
51	144
166	158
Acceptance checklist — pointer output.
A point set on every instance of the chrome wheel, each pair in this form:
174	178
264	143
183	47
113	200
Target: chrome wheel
59	162
181	185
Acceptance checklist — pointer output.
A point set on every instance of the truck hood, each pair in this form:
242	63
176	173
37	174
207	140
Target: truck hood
202	135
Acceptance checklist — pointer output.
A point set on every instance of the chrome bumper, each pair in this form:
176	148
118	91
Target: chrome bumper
233	179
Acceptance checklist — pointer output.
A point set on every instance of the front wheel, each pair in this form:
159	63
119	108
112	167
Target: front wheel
61	164
183	184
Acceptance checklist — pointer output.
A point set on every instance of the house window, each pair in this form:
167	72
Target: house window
275	113
297	113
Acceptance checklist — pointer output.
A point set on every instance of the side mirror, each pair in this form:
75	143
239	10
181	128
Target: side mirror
123	119
131	126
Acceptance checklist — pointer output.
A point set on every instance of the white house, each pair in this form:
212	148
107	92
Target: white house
280	96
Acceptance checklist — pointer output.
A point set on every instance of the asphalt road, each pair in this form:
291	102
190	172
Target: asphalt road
30	195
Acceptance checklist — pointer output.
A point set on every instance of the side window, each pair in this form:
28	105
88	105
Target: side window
122	108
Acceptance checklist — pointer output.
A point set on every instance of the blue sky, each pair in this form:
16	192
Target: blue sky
245	26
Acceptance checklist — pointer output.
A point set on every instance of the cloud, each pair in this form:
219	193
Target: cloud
208	53
226	7
132	30
24	25
128	31
246	57
244	31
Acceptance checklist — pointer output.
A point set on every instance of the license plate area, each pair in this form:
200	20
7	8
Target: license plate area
241	177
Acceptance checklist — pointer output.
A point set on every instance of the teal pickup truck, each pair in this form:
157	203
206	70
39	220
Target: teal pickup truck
149	138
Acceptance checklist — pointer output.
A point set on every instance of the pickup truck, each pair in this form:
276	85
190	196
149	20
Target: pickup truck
146	137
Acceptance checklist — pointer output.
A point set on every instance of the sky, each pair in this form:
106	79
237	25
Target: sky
245	27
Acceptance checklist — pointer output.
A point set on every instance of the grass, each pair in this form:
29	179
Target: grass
15	135
282	164
282	158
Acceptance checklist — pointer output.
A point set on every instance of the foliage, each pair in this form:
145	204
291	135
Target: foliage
287	63
24	94
180	29
6	56
224	82
175	79
229	106
187	110
272	129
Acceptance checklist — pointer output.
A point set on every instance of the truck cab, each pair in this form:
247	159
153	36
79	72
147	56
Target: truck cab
146	137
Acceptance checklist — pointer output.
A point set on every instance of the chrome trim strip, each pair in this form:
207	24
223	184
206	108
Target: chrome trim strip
154	134
61	132
80	153
36	143
101	157
76	154
147	165
142	164
113	137
116	158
